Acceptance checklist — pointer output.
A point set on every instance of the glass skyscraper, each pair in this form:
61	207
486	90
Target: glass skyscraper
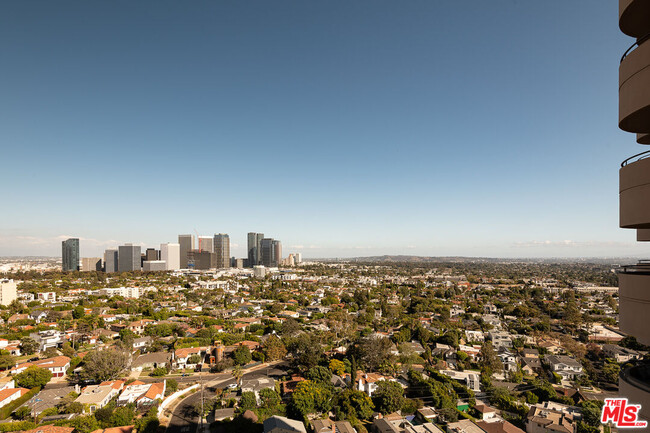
70	254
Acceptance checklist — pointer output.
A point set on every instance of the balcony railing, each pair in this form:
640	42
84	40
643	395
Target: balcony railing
634	45
638	156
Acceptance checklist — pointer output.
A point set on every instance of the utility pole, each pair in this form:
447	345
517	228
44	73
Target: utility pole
202	412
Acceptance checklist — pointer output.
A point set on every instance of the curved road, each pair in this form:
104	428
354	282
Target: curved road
185	420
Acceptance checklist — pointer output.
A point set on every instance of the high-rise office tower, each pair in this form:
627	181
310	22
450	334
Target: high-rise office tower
277	252
206	243
129	258
70	254
111	260
202	260
171	255
255	248
297	257
8	292
151	254
187	244
634	195
90	264
268	252
222	249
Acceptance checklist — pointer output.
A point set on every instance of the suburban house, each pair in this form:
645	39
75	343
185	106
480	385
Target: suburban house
58	365
152	360
141	343
567	367
329	426
280	424
545	420
7	382
95	397
182	356
620	354
142	393
47	339
10	394
256	385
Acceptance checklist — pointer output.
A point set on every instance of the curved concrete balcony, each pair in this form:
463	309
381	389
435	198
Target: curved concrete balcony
633	17
634	383
643	138
642	235
634	89
634	301
634	193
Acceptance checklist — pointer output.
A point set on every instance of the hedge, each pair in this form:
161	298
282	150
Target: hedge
7	410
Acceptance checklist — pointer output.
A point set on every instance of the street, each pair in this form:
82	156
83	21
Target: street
185	420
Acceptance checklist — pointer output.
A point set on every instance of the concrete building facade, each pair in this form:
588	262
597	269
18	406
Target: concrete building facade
129	258
171	254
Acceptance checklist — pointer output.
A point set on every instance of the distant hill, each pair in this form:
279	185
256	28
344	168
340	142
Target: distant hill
460	259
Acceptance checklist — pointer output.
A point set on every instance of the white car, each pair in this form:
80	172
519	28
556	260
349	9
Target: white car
232	386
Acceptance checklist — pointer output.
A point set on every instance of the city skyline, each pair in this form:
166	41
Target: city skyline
427	128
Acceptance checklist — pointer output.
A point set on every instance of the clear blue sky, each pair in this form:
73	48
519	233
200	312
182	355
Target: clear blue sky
342	128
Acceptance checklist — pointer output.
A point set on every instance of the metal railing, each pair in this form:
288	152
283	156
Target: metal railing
634	45
642	155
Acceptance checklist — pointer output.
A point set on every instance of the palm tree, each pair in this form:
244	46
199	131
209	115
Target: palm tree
237	373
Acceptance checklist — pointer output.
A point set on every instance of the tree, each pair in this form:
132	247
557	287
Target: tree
172	386
611	372
67	350
237	373
270	398
102	365
28	346
194	359
388	397
373	351
85	424
353	404
242	355
306	350
591	410
489	358
310	397
319	374
7	361
33	377
290	327
122	416
78	312
337	367
148	424
74	407
274	348
22	412
248	400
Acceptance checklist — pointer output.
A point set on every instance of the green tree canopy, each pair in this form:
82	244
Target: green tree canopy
102	365
388	397
33	376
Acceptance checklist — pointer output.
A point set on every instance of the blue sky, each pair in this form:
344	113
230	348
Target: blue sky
342	128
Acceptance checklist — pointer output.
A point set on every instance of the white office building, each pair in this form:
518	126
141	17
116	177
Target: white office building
8	292
171	254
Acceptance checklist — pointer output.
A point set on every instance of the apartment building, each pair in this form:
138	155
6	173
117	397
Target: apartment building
634	192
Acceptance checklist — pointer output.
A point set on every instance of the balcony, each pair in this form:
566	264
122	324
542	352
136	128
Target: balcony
643	138
634	88
643	235
634	383
634	301
633	17
634	192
